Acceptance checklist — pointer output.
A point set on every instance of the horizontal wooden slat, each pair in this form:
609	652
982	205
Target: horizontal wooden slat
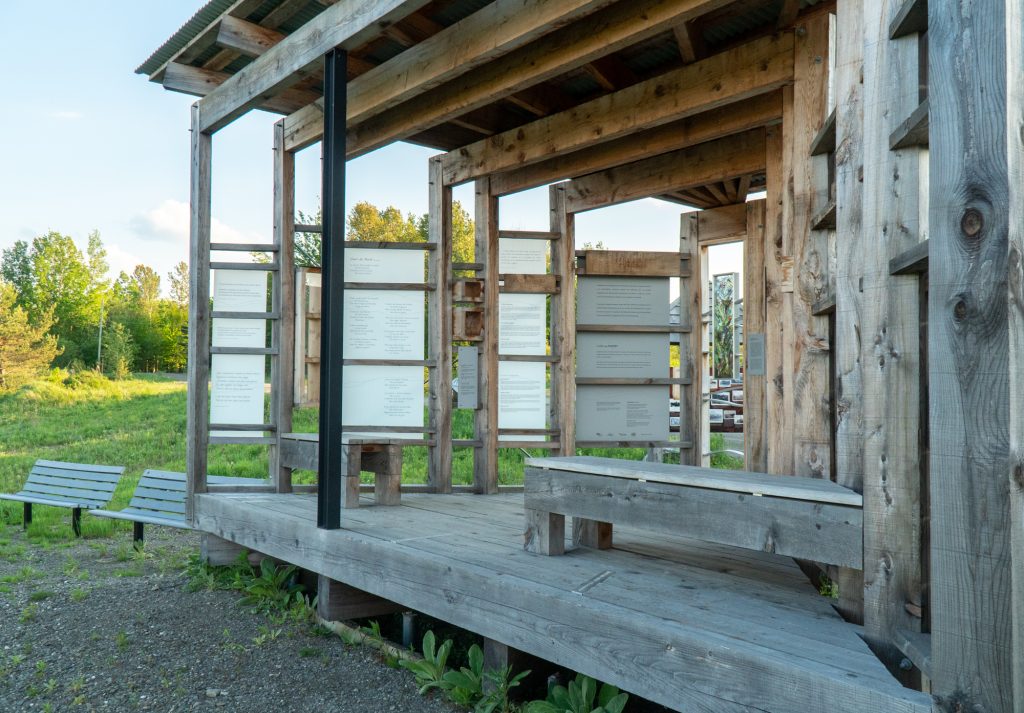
242	427
147	517
90	497
825	140
388	245
529	284
159	505
913	131
911	262
40	499
245	247
116	469
634	444
534	358
389	362
542	445
81	475
243	350
640	381
528	235
633	263
243	440
87	486
528	431
264	266
825	219
300	228
245	315
910	18
399	286
654	329
153	494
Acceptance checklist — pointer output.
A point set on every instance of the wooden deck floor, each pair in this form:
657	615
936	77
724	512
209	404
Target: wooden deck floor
693	626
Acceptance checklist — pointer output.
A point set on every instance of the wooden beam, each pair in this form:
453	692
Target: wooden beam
439	466
755	443
614	28
694	166
485	456
736	118
913	131
342	26
202	82
690	42
282	380
692	425
970	283
911	262
788	13
197	437
563	328
246	38
766	64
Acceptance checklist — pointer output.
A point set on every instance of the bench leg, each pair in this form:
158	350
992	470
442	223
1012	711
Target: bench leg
76	521
26	515
545	533
138	533
592	533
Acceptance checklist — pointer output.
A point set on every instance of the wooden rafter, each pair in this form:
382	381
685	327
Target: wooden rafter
690	42
200	82
758	68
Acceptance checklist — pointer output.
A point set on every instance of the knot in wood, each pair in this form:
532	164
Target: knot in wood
960	310
972	222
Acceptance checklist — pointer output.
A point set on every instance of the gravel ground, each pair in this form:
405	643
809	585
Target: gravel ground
91	626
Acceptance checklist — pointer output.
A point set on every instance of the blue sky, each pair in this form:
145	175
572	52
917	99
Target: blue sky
86	144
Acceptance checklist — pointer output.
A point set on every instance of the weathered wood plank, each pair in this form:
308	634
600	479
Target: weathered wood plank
913	261
201	82
691	348
283	365
439	327
705	85
755	443
693	166
485	456
336	601
968	353
630	263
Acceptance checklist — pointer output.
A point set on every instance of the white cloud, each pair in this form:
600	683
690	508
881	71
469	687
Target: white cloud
169	221
66	115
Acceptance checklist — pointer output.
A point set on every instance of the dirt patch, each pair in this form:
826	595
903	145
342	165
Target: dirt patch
91	625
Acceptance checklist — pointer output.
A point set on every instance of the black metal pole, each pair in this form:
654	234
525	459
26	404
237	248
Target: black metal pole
330	471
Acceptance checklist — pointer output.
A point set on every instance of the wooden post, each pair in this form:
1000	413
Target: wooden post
754	437
218	552
485	455
337	601
691	347
775	382
198	420
283	365
889	330
851	244
970	280
545	533
299	330
563	331
439	474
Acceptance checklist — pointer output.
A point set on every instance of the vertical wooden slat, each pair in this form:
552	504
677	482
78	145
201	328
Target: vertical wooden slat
563	332
775	422
968	352
299	330
692	346
889	327
198	436
282	393
485	456
439	474
754	437
851	245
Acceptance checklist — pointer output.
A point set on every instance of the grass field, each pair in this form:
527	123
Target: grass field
140	423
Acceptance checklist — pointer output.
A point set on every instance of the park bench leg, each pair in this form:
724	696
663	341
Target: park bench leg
545	533
26	515
76	521
592	533
138	533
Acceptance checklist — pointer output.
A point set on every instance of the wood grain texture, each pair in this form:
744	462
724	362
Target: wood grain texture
776	426
439	331
691	347
563	322
198	415
702	86
485	456
755	442
282	379
797	528
968	355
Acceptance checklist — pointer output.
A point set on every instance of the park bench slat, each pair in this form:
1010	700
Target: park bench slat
74	474
170	496
98	469
142	516
84	498
38	499
158	505
83	485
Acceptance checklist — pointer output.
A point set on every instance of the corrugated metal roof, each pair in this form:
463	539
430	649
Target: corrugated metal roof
185	34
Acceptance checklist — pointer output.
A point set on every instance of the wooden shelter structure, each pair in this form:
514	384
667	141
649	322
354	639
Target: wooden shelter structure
883	278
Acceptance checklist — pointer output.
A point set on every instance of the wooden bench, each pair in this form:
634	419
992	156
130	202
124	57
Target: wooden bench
380	454
159	499
67	485
804	518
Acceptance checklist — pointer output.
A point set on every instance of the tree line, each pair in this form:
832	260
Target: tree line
60	307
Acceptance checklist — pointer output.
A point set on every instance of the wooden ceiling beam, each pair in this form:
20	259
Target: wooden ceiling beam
756	68
201	82
743	189
715	189
246	38
668	173
788	14
690	42
604	32
344	25
611	73
752	113
700	193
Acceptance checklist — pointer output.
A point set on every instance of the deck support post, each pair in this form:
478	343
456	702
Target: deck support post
337	601
283	365
976	286
545	533
218	552
198	417
330	467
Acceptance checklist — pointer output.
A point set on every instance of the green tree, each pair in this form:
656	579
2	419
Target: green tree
118	351
179	279
463	233
26	350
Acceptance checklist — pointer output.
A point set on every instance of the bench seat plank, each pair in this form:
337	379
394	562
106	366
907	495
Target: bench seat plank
780	486
117	470
38	500
81	498
133	515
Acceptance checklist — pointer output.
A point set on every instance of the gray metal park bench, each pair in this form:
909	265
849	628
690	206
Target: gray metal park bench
68	485
159	499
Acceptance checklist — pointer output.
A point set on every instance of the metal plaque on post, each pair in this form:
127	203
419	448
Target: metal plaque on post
469	378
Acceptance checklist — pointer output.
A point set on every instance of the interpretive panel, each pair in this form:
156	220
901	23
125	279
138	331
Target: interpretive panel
236	392
622	413
239	291
469	378
522	401
383	324
517	256
383	265
621	354
239	333
755	354
522	324
642	301
382	396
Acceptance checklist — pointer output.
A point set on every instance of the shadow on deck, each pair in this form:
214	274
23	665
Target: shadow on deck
690	625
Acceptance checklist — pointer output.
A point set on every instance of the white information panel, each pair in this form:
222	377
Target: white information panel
522	324
383	265
622	413
522	398
518	256
236	392
622	300
384	324
621	354
382	396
